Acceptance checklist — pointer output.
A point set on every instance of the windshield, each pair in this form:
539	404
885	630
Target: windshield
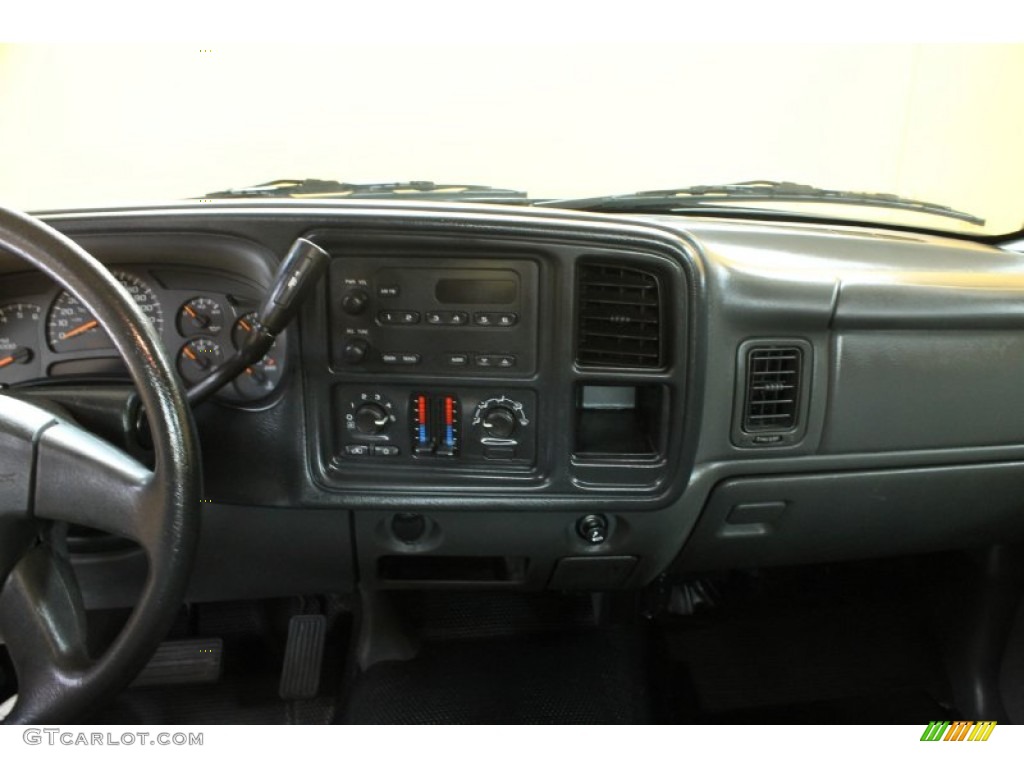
91	125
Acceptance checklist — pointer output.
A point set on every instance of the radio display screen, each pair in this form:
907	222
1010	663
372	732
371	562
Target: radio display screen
457	291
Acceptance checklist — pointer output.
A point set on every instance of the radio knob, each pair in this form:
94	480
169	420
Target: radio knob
355	350
371	419
499	422
354	302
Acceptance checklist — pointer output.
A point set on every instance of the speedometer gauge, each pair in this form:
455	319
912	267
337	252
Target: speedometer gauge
70	327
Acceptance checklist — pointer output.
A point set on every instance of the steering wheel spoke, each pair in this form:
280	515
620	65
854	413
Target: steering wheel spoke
84	480
43	624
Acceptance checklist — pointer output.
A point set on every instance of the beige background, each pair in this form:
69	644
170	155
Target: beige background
89	124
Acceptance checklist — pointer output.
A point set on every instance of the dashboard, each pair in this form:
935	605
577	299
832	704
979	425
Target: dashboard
484	397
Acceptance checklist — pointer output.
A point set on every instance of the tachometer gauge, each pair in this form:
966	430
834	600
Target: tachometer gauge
19	339
197	358
200	315
70	327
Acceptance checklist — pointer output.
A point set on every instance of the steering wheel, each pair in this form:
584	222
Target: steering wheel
53	470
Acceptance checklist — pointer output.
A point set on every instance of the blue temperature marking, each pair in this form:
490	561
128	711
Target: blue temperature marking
423	433
450	437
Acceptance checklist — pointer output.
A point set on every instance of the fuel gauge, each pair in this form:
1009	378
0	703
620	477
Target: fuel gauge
19	338
197	358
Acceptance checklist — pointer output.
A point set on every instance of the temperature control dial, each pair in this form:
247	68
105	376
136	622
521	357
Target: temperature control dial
498	422
499	417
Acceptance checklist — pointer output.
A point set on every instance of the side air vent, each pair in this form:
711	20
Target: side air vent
619	318
773	389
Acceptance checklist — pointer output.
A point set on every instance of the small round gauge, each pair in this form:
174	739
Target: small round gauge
19	338
242	328
259	379
200	315
197	358
70	327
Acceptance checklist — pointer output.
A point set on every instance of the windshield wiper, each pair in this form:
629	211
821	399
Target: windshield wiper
710	195
318	188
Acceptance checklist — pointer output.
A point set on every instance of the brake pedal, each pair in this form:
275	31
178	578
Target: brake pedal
179	662
303	657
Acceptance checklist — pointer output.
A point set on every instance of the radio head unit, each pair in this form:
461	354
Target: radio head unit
434	316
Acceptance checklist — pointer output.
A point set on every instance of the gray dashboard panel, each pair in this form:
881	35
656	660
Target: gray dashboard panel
910	419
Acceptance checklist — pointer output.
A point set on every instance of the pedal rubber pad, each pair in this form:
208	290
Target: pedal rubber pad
179	662
303	657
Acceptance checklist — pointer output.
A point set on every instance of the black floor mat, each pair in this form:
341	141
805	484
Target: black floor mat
583	676
848	644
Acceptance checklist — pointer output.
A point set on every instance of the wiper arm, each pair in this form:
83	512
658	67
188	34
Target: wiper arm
705	195
318	188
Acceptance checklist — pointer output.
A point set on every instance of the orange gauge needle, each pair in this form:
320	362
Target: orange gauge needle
80	329
20	355
190	312
190	354
245	326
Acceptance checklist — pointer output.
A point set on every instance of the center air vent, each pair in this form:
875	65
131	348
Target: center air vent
619	317
773	389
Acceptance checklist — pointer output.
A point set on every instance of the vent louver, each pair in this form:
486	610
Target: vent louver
773	389
619	317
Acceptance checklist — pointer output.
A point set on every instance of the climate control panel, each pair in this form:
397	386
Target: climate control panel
435	427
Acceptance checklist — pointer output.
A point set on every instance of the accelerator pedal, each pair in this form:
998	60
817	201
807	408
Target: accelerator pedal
180	662
303	657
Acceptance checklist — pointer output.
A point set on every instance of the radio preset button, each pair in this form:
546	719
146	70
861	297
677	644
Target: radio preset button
496	319
446	318
398	317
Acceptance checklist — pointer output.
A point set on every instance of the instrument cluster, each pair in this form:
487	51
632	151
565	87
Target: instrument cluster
47	332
